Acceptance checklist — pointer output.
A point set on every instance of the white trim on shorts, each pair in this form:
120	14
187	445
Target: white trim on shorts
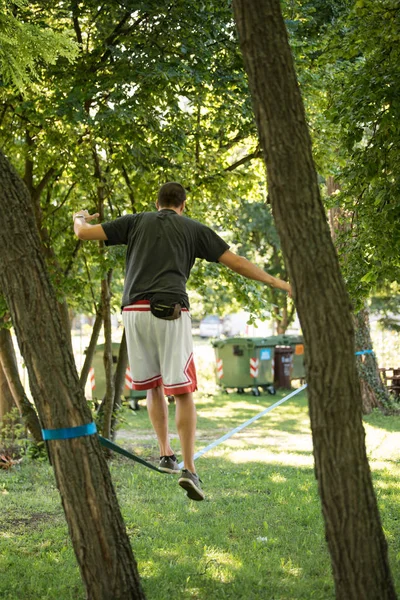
160	351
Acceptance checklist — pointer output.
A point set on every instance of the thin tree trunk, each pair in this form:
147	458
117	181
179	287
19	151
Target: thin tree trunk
354	533
8	362
107	356
6	399
91	349
95	523
374	394
119	381
106	307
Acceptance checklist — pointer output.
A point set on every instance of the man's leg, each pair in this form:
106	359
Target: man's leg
186	417
157	409
186	425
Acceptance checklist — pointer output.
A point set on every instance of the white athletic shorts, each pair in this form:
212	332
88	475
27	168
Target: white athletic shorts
160	352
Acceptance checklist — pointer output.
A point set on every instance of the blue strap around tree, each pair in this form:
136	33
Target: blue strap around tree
68	433
360	352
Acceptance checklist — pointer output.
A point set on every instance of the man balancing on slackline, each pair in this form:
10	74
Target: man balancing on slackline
162	247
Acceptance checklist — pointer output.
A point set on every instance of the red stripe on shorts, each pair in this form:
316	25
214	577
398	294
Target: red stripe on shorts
142	306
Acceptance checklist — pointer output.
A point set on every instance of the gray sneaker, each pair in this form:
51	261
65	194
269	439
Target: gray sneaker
191	483
168	464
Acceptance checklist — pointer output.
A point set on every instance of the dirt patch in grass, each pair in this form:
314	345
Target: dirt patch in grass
32	521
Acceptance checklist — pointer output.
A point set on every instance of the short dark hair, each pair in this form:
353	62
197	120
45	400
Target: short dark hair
171	194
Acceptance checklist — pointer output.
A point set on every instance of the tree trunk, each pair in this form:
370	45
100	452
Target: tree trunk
119	381
91	349
373	392
108	400
107	356
353	529
8	362
6	398
95	523
284	315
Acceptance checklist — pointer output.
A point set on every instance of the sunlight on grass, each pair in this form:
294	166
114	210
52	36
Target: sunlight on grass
385	485
231	411
267	457
277	478
289	568
149	568
220	565
382	443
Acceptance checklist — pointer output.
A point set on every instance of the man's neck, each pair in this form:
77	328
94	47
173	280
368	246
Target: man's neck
177	210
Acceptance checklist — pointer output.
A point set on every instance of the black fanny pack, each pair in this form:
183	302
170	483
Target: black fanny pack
165	309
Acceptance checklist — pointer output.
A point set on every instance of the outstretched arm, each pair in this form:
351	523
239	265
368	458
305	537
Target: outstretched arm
84	230
247	269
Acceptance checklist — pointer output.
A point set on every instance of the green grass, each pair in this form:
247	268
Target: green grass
258	535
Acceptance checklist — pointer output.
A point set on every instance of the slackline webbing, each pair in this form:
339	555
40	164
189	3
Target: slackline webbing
111	446
90	428
68	433
243	425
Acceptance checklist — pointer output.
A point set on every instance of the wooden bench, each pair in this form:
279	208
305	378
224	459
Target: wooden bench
391	379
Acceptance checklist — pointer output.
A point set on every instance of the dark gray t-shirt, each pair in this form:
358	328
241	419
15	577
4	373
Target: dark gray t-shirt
162	248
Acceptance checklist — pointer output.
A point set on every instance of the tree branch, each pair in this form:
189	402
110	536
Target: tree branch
257	154
64	200
118	31
37	191
77	27
72	258
129	186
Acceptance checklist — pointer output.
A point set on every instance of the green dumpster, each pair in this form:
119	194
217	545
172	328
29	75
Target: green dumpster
242	363
249	362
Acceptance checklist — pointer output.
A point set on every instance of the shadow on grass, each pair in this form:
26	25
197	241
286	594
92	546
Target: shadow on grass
259	534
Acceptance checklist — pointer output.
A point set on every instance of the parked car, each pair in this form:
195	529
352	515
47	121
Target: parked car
235	324
211	326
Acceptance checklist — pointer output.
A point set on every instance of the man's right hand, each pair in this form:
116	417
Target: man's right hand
85	214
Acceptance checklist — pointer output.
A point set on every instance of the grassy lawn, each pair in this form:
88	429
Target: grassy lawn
258	535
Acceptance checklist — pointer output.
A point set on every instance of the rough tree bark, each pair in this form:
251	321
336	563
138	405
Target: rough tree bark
8	363
354	533
95	523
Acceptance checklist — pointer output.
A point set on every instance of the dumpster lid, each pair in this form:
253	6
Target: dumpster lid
234	341
269	341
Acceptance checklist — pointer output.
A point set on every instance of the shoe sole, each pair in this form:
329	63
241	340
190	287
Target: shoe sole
192	491
170	471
